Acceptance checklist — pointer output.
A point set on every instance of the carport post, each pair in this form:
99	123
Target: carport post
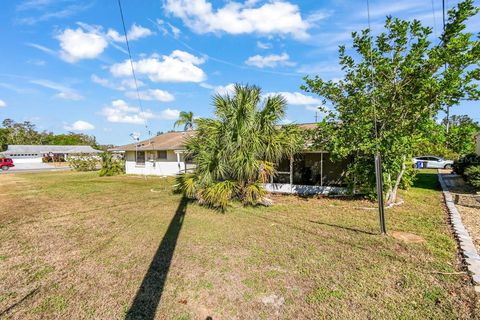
378	174
321	169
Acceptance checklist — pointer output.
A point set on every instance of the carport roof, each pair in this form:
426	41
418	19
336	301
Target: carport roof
12	149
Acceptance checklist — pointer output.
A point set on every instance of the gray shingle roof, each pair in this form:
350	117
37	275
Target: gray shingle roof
166	141
13	149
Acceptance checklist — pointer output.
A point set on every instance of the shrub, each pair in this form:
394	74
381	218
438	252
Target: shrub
408	176
111	166
83	162
460	165
472	174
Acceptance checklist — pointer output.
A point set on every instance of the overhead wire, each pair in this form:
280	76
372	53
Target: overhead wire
132	67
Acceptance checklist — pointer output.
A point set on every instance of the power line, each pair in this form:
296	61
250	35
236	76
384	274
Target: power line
131	65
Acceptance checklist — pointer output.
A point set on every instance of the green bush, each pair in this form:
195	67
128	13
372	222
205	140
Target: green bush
83	162
408	176
111	166
460	165
472	174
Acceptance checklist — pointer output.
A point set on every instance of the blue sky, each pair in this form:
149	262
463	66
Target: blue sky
65	67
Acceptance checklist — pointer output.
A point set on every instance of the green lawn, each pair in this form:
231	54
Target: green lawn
74	245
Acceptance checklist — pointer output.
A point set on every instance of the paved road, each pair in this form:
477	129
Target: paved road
33	167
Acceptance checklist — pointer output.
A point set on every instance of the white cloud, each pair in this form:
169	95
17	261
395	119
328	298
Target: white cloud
169	114
43	13
275	17
269	61
64	92
152	94
69	95
42	48
37	62
79	44
104	82
263	45
179	66
130	83
2	103
136	32
121	112
176	32
224	90
79	125
123	85
313	108
297	98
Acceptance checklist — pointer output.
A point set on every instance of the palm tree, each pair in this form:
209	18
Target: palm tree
186	119
236	151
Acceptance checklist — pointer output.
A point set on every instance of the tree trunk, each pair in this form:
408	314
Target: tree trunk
392	196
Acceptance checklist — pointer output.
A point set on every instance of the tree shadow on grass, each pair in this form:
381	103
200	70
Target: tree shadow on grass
427	179
148	296
343	227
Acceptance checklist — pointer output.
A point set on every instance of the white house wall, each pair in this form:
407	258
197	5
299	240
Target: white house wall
26	159
163	167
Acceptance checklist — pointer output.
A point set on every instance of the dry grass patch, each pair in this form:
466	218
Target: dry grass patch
78	246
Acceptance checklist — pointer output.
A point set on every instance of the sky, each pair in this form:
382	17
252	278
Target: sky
64	63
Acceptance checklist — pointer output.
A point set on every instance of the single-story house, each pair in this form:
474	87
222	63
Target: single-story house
162	155
37	153
308	172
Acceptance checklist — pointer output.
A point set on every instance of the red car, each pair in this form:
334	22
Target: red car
6	163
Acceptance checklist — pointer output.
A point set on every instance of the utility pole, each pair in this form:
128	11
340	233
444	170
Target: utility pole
316	116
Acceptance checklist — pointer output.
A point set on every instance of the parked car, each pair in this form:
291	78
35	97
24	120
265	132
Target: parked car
6	163
432	162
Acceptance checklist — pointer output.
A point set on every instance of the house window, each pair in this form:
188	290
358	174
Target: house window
140	157
162	154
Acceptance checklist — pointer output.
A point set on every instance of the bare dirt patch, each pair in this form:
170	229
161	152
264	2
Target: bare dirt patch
407	237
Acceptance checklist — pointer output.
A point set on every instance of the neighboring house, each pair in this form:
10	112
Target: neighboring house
36	153
162	155
308	172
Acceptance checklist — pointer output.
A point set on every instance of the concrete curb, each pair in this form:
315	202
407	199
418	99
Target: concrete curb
467	248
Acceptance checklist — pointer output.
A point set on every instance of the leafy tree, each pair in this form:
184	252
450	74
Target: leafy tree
19	133
236	151
432	141
461	134
394	85
26	133
185	119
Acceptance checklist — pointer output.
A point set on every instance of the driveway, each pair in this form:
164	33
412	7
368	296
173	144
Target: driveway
34	167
